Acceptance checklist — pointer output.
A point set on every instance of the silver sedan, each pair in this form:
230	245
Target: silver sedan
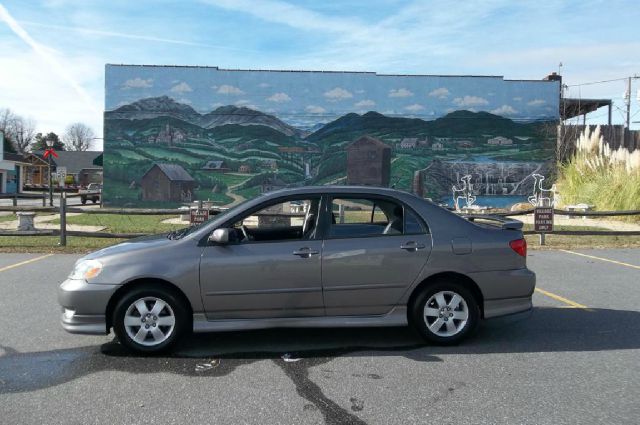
329	256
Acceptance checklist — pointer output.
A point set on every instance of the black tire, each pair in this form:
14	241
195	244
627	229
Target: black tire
83	200
420	322
176	306
94	200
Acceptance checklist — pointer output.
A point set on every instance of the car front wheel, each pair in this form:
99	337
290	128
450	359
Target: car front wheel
445	313
149	320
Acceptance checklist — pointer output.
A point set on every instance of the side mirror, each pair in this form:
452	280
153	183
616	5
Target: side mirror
220	236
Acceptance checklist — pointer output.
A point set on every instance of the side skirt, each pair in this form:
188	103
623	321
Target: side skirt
396	317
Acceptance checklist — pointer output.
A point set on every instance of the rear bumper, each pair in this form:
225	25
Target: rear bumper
84	306
506	291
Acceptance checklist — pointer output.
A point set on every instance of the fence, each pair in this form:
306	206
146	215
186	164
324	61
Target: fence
63	210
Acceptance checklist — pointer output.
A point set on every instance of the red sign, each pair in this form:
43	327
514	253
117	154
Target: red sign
543	219
197	216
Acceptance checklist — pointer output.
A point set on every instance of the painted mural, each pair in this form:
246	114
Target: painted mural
174	135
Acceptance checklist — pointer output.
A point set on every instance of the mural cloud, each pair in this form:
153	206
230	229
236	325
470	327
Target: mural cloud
441	93
414	108
338	93
279	98
536	102
504	110
138	83
227	89
315	109
400	93
181	88
366	103
470	101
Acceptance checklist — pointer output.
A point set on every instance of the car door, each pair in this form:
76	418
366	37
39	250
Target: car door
274	272
373	251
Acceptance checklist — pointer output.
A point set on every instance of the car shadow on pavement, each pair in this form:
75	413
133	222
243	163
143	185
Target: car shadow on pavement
296	350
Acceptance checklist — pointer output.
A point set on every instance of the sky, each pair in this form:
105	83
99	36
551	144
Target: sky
53	52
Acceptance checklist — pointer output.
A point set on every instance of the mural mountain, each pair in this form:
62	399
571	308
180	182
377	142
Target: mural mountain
235	152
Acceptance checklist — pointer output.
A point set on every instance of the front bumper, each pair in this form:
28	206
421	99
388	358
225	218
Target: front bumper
84	306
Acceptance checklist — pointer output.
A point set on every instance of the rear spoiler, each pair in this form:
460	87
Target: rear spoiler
505	223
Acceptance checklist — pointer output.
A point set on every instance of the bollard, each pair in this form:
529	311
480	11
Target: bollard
63	218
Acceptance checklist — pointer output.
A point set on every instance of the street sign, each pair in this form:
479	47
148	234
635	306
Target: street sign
62	175
197	216
543	219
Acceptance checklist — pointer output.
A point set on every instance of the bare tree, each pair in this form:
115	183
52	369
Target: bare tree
24	133
78	137
7	121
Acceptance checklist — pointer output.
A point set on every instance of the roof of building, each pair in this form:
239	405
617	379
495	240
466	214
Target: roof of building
174	172
570	108
14	157
73	161
369	141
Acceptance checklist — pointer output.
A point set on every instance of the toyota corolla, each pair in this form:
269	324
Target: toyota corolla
330	256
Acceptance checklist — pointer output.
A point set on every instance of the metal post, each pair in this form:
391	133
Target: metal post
15	200
50	183
542	241
341	213
44	199
63	218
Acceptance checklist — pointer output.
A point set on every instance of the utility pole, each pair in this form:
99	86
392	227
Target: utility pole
628	100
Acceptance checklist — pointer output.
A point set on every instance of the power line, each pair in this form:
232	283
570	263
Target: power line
599	82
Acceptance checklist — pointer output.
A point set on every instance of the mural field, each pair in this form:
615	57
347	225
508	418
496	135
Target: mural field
178	134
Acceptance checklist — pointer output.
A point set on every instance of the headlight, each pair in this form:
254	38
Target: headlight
86	269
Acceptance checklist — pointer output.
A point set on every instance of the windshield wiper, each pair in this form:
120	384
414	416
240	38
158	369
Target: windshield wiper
178	233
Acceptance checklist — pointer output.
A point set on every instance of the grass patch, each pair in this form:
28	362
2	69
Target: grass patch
124	223
9	217
50	244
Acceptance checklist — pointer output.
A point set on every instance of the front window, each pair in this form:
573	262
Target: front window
293	219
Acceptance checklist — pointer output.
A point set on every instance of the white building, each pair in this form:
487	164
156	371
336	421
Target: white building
409	143
499	140
437	146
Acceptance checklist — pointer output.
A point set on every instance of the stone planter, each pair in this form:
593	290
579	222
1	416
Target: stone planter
25	220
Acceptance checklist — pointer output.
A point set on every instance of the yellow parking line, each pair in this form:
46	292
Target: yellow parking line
620	263
22	263
570	303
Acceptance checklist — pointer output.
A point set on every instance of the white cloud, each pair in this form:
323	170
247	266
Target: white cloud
366	103
217	105
138	83
517	99
400	93
414	108
359	91
184	100
504	110
181	88
279	98
227	89
264	85
470	101
338	93
441	93
245	103
536	102
315	109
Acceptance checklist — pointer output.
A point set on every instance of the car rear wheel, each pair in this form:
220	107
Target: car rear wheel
149	320
445	313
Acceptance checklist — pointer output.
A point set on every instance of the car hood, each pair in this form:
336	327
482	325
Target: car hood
133	245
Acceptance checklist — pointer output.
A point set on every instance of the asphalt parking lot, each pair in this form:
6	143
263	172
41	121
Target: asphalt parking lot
573	360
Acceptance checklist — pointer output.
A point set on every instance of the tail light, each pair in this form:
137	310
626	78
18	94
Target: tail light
519	246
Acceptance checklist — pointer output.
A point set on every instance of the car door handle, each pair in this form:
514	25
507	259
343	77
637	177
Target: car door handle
305	252
412	246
